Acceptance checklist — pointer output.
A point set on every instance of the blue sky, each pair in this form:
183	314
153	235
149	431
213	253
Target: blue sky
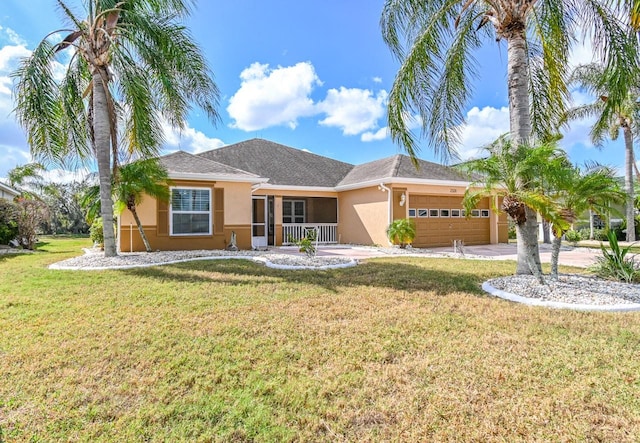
312	75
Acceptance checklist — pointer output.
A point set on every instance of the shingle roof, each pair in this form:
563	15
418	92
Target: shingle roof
281	164
401	166
181	162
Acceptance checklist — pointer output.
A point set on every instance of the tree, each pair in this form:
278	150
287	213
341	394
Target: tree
434	42
611	120
27	179
134	181
516	175
133	65
575	192
31	214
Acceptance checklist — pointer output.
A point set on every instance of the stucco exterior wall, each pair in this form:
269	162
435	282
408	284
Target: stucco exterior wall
236	215
363	216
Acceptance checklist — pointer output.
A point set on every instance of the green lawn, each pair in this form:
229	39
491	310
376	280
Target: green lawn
399	349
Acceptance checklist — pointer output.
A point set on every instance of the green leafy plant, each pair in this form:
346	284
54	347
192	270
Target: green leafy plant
307	243
573	236
401	232
615	263
96	232
9	213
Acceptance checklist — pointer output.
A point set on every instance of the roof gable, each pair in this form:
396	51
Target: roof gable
282	164
400	166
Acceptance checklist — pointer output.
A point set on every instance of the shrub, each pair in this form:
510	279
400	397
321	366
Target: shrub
600	234
9	213
573	236
96	232
307	243
512	231
615	263
401	232
32	214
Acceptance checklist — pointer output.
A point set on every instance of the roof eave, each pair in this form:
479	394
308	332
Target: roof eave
401	180
215	177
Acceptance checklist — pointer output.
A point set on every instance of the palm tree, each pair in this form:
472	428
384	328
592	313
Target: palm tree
27	179
435	40
134	181
575	192
611	119
133	65
517	175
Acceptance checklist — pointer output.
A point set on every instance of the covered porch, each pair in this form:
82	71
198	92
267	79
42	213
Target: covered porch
284	220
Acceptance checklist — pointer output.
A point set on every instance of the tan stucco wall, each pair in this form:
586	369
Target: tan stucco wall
237	217
363	216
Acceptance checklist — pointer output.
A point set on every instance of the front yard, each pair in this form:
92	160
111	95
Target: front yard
398	349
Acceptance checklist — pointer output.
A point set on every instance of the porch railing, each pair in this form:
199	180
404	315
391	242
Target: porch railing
327	232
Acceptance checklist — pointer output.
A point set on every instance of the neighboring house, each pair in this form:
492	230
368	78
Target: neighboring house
269	194
7	192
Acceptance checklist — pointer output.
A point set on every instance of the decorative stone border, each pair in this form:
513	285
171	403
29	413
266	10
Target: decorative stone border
558	305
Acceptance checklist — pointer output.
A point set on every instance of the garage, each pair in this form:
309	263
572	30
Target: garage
440	220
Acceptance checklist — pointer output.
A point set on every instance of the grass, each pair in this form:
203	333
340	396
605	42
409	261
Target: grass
400	349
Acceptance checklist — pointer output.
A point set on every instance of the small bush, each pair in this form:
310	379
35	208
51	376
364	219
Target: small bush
512	231
96	232
600	234
401	232
9	215
615	263
573	236
584	233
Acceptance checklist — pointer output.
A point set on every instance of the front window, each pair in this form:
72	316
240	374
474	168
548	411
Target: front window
293	211
190	211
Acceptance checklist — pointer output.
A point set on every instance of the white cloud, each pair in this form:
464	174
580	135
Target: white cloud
380	134
377	79
353	110
273	97
189	139
482	127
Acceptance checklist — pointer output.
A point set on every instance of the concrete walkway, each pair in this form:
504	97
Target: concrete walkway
569	255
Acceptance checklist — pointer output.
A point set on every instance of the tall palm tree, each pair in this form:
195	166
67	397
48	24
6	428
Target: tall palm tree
435	40
132	65
134	181
611	120
517	175
575	192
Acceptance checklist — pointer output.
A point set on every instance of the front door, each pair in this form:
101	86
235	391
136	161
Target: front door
259	223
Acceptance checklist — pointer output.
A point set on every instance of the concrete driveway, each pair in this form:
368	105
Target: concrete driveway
569	255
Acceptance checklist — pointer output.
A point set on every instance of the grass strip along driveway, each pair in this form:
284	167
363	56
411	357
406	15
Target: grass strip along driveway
397	349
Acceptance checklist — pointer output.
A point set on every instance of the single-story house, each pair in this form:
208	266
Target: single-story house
269	194
8	192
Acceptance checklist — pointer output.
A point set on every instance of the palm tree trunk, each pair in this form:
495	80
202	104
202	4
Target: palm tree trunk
555	256
102	134
591	225
531	256
628	184
520	129
145	240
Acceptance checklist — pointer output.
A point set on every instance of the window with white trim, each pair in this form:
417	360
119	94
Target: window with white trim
422	213
444	213
412	213
484	213
293	211
433	212
475	213
455	213
190	211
